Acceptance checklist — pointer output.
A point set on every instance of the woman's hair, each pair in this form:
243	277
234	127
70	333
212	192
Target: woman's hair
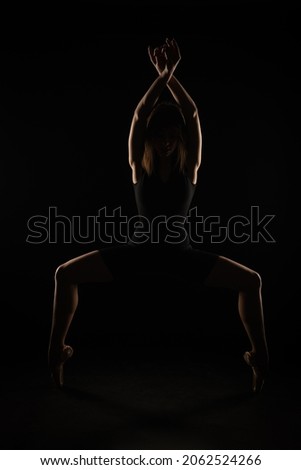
164	115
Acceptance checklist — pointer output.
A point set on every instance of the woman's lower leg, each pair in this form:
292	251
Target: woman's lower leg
86	268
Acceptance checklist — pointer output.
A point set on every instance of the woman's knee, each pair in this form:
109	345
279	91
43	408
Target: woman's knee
85	268
230	274
62	273
253	280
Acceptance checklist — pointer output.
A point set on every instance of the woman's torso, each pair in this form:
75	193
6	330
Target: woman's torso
162	208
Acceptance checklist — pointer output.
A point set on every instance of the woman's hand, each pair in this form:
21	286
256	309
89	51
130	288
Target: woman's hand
165	57
158	58
172	52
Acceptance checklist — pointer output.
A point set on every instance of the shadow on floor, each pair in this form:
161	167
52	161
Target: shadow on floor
149	399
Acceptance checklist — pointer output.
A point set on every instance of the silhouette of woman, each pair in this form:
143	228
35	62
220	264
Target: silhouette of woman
164	149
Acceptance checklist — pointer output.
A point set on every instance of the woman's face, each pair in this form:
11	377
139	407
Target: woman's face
165	141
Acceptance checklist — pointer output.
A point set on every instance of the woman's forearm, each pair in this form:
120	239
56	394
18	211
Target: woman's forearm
150	98
182	97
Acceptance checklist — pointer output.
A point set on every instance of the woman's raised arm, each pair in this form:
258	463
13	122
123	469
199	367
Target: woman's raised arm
171	51
139	121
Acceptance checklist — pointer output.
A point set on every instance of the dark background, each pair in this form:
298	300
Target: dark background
71	77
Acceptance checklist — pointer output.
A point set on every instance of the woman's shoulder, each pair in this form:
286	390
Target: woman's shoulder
139	178
137	173
187	175
190	175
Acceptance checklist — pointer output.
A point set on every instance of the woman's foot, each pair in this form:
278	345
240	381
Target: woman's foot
259	369
56	364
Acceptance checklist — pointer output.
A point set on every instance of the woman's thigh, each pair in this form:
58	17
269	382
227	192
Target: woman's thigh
233	275
89	267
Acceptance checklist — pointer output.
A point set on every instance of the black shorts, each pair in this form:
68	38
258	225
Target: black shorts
189	264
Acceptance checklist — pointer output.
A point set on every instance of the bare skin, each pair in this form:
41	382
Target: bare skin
226	273
86	268
247	282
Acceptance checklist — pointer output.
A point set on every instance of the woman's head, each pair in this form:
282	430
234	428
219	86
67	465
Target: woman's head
165	136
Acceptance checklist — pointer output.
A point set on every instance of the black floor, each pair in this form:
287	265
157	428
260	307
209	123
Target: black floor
165	372
143	399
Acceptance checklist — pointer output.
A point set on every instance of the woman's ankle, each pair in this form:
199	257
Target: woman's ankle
56	344
259	358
